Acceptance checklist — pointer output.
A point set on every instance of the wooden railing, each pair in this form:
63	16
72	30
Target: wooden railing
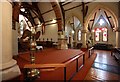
52	67
90	51
41	66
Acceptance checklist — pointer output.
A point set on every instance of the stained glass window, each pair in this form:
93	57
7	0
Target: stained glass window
97	35
79	35
105	34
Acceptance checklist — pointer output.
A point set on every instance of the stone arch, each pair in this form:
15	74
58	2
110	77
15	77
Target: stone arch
115	20
69	18
69	32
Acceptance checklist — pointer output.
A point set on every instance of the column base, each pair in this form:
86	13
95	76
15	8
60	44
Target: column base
62	43
63	47
10	70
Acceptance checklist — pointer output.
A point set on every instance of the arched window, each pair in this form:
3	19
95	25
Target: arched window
105	34
101	32
102	24
23	25
97	35
79	35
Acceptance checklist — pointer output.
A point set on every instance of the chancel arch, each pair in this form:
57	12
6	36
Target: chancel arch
101	23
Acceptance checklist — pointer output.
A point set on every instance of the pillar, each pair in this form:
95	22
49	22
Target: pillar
8	66
71	39
118	34
62	41
0	42
118	29
117	39
84	32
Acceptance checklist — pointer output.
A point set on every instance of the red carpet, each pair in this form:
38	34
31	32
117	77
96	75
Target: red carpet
52	55
58	56
48	56
84	70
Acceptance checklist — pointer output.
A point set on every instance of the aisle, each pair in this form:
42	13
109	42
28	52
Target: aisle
104	68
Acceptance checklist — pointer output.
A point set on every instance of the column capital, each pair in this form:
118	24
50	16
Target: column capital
84	31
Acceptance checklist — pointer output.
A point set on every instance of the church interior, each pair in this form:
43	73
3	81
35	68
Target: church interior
59	40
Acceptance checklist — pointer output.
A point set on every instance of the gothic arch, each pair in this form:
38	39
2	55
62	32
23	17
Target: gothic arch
68	22
115	20
78	27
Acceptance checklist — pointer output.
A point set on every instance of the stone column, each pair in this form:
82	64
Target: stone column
84	32
118	34
117	39
62	41
8	66
71	40
0	42
118	29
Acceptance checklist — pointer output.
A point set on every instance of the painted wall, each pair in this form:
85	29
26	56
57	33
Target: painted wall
51	31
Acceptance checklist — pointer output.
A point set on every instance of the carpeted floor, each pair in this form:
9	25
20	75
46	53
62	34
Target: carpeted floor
85	69
58	56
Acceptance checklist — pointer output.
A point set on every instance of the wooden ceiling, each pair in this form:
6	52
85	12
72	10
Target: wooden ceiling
32	12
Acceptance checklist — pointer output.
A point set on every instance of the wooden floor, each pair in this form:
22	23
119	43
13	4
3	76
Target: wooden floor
105	67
